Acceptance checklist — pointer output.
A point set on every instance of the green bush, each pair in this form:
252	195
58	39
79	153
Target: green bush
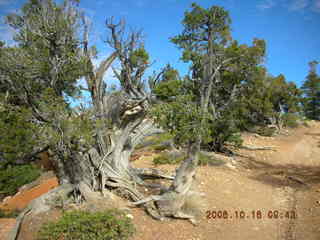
18	136
160	147
167	158
290	120
12	177
236	139
9	214
82	225
204	159
158	142
167	90
266	131
162	137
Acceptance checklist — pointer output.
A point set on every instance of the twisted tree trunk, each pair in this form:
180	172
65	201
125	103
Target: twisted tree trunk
122	114
105	165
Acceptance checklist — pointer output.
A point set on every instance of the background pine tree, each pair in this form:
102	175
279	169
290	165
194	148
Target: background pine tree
311	91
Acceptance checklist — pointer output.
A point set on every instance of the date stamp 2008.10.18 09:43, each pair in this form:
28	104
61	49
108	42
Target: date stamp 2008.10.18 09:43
253	214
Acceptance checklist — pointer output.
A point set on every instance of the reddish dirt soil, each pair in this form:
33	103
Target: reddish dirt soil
6	224
284	180
22	199
18	202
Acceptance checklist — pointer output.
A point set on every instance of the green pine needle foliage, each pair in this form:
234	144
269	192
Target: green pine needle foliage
14	177
311	92
81	225
17	135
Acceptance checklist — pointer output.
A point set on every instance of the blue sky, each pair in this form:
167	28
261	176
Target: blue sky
290	28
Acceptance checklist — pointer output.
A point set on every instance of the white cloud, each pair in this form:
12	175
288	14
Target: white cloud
298	5
266	4
291	5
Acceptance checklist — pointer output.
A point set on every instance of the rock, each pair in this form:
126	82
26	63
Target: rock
6	199
129	216
18	193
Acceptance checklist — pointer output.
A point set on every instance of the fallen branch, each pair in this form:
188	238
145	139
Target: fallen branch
294	179
15	231
152	173
148	199
253	148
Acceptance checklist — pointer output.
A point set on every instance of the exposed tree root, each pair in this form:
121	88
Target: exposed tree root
40	204
171	201
15	231
169	204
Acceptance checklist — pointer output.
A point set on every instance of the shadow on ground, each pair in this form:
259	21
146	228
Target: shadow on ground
296	176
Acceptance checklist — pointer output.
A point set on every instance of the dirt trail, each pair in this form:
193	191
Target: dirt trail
282	185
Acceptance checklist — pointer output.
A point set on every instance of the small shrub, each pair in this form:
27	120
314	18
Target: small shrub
266	131
162	142
157	142
13	177
163	137
159	147
204	160
9	214
107	225
290	120
236	139
167	158
162	146
305	123
143	144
